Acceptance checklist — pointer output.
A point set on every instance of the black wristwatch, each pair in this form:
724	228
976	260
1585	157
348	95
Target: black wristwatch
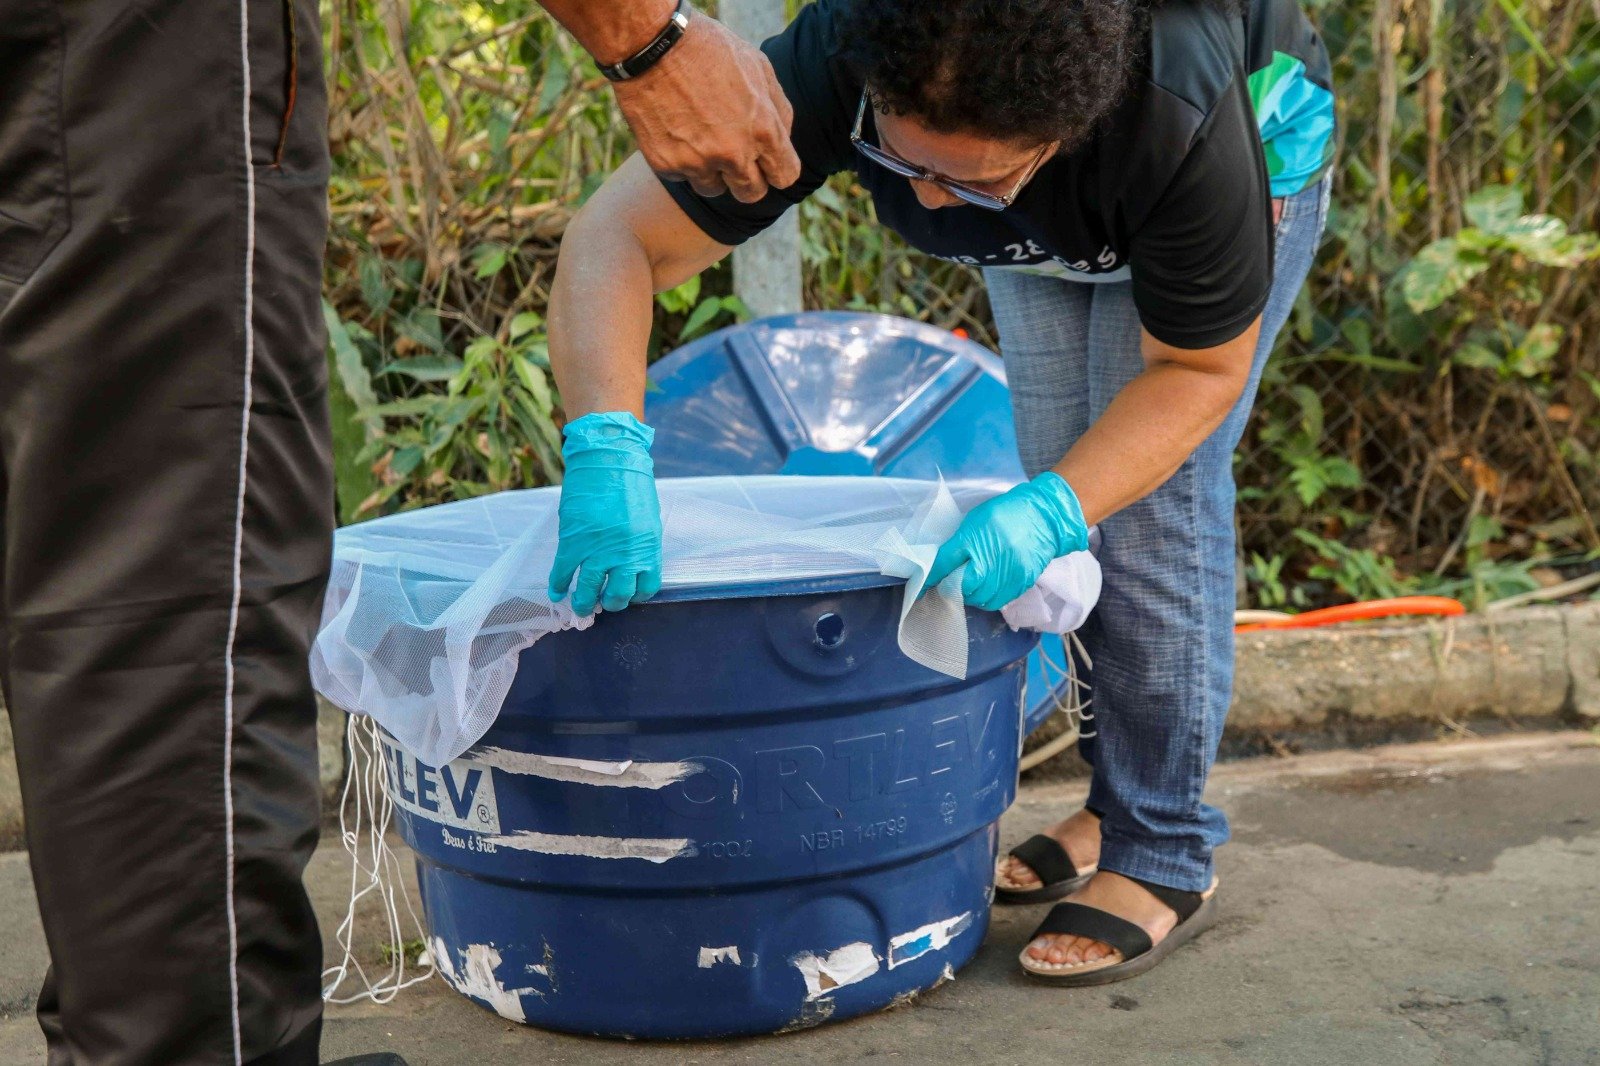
651	54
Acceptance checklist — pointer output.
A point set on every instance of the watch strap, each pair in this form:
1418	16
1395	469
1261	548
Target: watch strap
651	54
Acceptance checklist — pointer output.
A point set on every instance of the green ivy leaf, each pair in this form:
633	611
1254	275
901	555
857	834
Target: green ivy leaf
1545	241
1358	331
1482	530
679	300
556	79
376	292
1494	207
422	326
1537	228
1476	356
534	380
524	323
1310	410
405	460
409	408
499	129
348	364
481	350
488	260
425	368
1537	350
702	317
1472	239
1438	272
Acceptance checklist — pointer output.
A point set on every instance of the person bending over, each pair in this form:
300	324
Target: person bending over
1143	186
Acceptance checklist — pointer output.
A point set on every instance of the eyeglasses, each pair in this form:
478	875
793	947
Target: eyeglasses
966	193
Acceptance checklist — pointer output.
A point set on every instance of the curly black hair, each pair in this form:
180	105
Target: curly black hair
1028	71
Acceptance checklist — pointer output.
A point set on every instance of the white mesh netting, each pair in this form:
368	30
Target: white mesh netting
427	610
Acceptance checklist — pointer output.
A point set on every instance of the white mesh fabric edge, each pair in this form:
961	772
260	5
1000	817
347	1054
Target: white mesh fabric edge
427	611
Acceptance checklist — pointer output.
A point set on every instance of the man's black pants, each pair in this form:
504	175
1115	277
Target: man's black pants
165	514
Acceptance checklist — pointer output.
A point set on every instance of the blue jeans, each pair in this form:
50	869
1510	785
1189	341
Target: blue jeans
1161	639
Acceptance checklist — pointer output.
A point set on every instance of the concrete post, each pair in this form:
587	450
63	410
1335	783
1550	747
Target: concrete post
766	270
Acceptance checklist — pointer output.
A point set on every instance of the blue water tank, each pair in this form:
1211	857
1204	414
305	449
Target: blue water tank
720	814
837	392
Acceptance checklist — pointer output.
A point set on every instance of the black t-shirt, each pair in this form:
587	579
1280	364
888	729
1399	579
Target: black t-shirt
1172	191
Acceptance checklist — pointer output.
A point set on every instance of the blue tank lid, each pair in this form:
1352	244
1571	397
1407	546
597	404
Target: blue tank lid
843	392
833	392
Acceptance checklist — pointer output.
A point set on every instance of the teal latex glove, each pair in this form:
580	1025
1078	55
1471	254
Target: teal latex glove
1007	542
610	517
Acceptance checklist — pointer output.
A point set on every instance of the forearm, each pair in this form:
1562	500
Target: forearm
611	30
1153	425
599	322
629	242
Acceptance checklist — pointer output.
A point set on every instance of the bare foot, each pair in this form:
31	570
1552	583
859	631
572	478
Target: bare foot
1079	834
1117	895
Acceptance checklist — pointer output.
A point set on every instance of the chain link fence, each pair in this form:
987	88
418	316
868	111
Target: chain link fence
1473	428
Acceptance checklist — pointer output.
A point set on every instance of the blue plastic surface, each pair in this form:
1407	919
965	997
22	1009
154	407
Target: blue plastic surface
837	392
807	817
833	392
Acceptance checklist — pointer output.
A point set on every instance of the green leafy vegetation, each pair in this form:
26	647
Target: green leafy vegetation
1464	281
1429	422
1357	573
411	950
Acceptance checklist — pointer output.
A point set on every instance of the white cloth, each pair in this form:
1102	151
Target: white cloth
428	610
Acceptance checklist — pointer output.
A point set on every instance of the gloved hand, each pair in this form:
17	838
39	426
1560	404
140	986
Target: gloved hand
1007	542
610	517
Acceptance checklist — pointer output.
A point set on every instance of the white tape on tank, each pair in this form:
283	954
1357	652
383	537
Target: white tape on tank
935	936
476	978
650	849
710	957
627	774
839	967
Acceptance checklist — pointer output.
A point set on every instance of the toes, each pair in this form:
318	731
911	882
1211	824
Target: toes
1017	873
1068	951
1050	949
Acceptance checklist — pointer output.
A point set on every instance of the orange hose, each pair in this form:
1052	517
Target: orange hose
1355	612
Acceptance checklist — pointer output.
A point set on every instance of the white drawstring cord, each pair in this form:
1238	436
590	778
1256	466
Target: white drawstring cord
1071	703
365	800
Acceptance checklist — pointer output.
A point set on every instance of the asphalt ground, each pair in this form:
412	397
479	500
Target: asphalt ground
1423	904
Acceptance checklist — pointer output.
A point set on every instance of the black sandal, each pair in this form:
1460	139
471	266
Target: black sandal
1052	865
1196	911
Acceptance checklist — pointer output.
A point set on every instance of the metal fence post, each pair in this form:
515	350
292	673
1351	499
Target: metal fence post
766	270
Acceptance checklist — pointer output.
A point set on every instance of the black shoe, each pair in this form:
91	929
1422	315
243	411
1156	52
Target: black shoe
382	1058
